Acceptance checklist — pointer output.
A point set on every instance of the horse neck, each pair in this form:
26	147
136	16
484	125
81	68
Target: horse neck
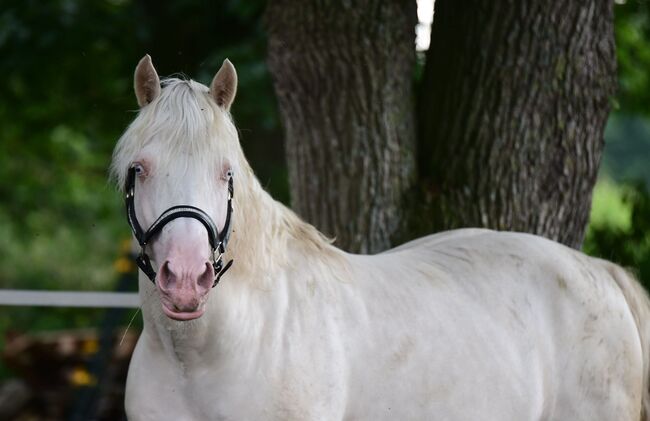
265	234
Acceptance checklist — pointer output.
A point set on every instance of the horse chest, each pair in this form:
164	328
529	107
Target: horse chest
236	389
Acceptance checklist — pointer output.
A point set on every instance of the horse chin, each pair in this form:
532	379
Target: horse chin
183	316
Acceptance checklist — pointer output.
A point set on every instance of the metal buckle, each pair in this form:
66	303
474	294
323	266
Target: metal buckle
215	257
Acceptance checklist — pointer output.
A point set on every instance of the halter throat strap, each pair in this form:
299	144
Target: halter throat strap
218	240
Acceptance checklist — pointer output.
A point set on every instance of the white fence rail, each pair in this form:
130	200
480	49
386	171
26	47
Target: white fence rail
19	297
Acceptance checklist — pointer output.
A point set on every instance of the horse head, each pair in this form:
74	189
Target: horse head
177	162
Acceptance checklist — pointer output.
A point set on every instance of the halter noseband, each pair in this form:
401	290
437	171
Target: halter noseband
218	240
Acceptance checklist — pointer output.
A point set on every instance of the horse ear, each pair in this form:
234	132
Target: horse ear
146	82
224	85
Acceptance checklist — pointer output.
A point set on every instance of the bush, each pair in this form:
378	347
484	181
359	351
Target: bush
629	245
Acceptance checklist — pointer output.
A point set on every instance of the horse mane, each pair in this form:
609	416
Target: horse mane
187	122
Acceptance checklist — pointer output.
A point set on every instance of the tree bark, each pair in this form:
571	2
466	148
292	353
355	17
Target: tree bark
514	102
343	72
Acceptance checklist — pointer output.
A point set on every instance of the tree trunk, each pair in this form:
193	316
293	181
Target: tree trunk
514	102
343	72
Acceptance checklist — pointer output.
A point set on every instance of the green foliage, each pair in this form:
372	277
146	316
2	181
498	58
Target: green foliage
632	29
627	148
629	244
58	112
608	206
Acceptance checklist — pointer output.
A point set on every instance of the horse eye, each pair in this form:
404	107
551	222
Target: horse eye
226	174
139	169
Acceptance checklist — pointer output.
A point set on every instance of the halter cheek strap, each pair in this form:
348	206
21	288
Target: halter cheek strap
218	240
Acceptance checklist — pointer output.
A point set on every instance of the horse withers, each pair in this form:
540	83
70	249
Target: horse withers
463	325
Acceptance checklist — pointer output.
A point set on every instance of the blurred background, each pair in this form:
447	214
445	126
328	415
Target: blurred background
65	97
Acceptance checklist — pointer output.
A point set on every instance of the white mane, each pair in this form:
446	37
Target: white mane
186	122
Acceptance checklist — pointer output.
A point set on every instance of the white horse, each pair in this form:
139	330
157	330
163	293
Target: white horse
464	325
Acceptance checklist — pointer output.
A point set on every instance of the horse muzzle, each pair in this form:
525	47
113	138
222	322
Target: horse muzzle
184	285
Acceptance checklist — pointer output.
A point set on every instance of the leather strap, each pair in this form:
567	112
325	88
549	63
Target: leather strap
182	211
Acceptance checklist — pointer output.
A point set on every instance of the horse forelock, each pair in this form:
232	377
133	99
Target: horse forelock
182	123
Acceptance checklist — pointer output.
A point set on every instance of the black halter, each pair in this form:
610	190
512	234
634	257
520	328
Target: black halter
218	240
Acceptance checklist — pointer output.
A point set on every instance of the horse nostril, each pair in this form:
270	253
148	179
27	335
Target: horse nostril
166	277
206	279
